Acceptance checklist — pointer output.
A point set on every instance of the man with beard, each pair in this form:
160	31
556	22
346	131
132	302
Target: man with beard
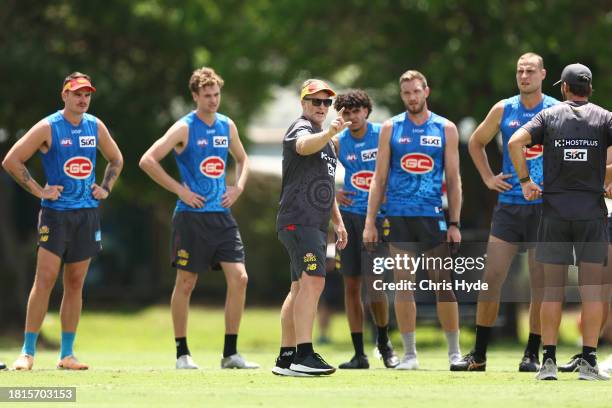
515	220
415	149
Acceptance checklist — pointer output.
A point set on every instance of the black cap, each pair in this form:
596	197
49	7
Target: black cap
575	74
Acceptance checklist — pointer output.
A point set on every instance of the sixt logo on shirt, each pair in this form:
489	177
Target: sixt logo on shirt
87	141
66	142
434	141
575	154
220	141
369	155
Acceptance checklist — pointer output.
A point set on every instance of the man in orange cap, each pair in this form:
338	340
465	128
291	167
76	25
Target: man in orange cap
307	201
68	223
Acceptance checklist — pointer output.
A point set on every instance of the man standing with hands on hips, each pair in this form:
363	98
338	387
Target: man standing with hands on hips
575	135
307	201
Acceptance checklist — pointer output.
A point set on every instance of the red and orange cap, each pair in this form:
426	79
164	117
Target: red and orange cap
315	86
78	83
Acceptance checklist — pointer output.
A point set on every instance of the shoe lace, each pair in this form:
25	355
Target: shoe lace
319	358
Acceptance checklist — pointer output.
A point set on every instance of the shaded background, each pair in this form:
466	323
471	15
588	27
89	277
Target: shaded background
141	54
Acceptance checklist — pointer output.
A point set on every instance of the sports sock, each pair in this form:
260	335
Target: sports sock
409	340
229	346
29	343
287	353
550	351
533	344
67	344
382	335
590	355
357	339
181	346
483	334
304	349
452	338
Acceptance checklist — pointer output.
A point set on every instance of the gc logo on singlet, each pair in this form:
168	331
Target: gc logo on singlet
417	163
213	167
361	180
78	167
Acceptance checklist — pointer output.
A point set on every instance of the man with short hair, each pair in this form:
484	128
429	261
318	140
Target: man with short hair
356	147
415	149
69	222
307	201
515	220
204	232
575	135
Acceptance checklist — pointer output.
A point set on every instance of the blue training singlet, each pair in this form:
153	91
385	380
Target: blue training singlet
414	187
202	163
358	156
71	161
515	115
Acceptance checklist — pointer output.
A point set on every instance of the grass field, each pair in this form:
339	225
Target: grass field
132	365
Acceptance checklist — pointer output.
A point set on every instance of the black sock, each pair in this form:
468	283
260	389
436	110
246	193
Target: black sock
533	345
181	346
358	343
590	355
382	337
287	353
550	352
304	349
483	334
229	347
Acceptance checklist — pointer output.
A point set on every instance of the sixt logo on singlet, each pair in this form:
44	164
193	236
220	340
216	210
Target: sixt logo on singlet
575	154
87	141
434	141
78	167
361	180
220	141
369	155
417	163
213	167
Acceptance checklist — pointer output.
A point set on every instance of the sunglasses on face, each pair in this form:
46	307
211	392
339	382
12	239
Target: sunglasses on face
317	102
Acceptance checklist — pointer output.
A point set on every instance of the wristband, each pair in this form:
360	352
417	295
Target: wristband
524	179
455	224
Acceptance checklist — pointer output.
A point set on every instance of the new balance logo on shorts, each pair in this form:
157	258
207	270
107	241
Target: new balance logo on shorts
575	154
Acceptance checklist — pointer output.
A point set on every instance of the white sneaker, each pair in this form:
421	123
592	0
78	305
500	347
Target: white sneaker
548	371
185	362
606	365
590	373
237	361
454	358
409	362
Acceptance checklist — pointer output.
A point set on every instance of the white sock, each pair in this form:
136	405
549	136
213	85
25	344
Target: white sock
409	340
453	342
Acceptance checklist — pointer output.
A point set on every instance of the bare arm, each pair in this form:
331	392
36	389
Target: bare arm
453	179
339	226
309	144
38	137
242	168
113	156
517	143
608	166
484	133
175	136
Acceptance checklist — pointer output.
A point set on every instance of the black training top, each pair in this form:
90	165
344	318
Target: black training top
575	136
307	194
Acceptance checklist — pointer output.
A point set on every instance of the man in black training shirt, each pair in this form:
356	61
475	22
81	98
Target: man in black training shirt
575	135
307	201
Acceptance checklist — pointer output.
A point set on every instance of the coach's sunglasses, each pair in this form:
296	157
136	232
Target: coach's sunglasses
318	102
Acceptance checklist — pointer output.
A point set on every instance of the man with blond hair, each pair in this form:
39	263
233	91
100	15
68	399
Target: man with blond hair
204	232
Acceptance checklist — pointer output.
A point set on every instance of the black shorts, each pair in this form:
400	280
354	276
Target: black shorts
610	229
559	240
201	240
73	235
354	258
416	234
307	250
516	223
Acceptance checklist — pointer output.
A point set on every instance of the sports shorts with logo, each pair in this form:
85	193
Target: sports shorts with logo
516	223
559	240
201	240
73	235
354	259
307	250
416	234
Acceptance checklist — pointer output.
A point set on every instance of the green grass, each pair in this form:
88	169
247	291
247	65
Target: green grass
132	365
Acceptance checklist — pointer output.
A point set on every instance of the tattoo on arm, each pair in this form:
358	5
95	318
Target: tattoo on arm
110	174
23	179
